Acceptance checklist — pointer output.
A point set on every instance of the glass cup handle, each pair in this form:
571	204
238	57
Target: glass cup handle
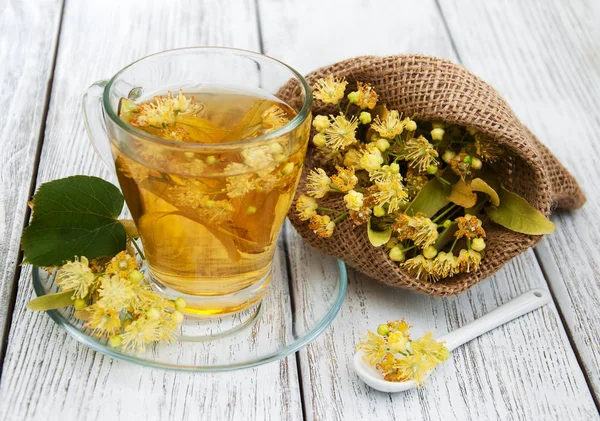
93	115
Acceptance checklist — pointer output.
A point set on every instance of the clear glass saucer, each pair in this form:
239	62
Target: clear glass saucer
290	316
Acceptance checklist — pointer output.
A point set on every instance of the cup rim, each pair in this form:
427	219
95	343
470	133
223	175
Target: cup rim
298	119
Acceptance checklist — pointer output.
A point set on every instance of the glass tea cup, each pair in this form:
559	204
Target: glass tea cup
208	213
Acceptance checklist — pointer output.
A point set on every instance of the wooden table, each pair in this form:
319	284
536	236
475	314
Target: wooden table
544	58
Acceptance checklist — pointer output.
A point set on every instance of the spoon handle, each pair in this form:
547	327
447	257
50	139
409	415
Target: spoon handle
517	307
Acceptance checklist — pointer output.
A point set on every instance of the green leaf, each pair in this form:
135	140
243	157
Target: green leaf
378	238
462	195
74	216
430	199
446	236
516	214
51	301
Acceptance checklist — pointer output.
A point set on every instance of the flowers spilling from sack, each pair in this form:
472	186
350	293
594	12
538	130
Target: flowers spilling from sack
413	185
115	301
398	357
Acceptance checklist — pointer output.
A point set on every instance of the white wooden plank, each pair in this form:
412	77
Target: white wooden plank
28	37
525	370
48	375
543	57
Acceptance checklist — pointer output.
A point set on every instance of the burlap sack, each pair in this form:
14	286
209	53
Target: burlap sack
435	89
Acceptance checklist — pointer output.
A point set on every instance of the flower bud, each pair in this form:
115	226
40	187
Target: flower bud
448	155
287	168
378	211
447	223
383	329
432	169
395	167
476	163
115	341
382	144
136	276
177	316
319	140
365	117
211	159
468	159
79	304
153	314
396	254
353	97
430	252
410	125
478	244
437	134
320	123
180	303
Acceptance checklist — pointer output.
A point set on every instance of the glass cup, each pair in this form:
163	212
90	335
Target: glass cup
208	214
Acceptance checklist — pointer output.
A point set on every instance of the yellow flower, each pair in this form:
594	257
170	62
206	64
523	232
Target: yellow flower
306	207
397	342
389	191
330	90
341	133
431	349
318	183
140	333
115	293
390	126
240	185
352	158
322	225
402	227
258	157
361	216
399	326
273	118
425	231
373	348
215	211
76	276
121	265
420	268
371	158
412	367
445	264
162	111
415	182
468	260
469	227
420	153
354	200
367	97
104	321
344	180
487	148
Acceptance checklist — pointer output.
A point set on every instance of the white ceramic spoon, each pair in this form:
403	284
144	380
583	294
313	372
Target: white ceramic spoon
517	307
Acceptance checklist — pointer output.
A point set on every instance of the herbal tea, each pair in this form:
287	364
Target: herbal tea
209	217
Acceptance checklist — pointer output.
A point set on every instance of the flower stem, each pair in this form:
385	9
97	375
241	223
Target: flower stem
453	244
136	247
340	217
408	248
445	212
335	188
340	108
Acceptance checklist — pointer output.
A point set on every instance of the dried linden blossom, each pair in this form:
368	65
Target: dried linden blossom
397	356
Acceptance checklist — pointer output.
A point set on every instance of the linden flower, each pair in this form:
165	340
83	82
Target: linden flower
469	227
398	342
322	225
274	117
413	367
390	192
352	159
390	127
399	326
341	133
121	265
306	207
373	347
367	97
445	264
486	148
330	90
431	349
318	183
344	180
402	227
140	333
240	185
115	293
361	216
420	268
258	157
425	233
76	276
371	159
163	110
420	153
468	260
354	200
104	321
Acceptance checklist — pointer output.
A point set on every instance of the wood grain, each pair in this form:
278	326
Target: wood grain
524	370
47	374
544	57
27	44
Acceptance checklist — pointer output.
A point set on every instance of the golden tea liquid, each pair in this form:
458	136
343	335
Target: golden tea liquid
209	217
